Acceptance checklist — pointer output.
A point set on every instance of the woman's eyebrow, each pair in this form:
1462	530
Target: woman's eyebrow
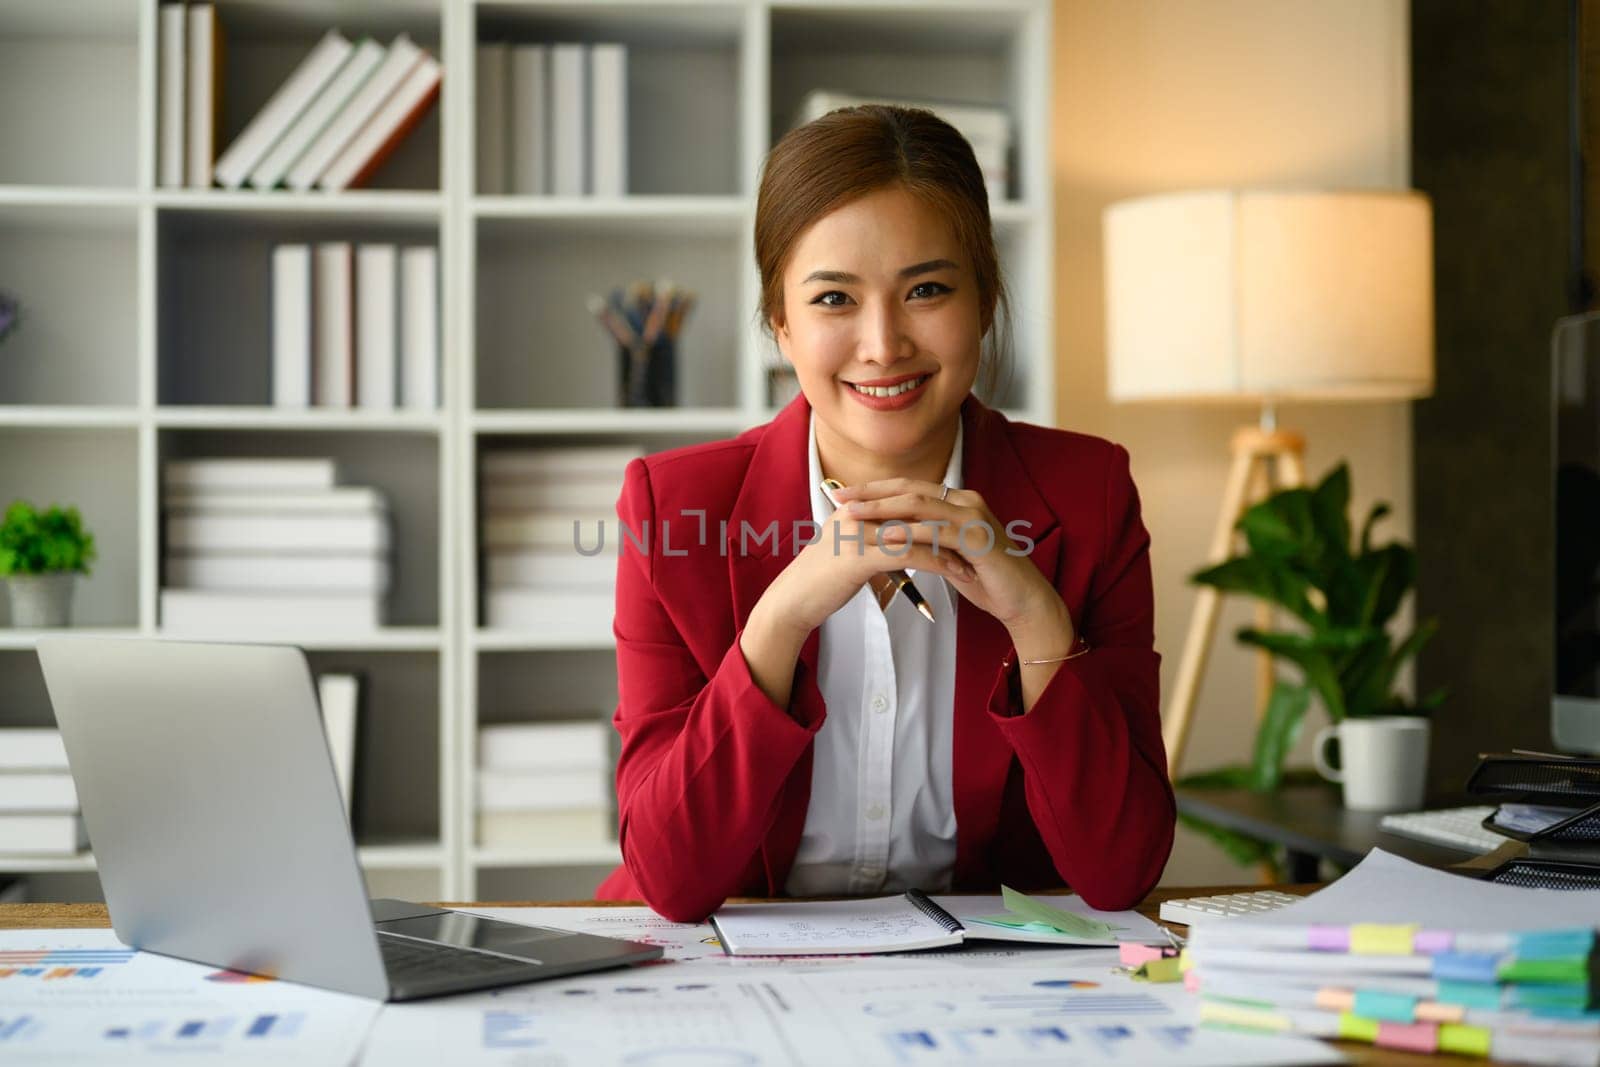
907	272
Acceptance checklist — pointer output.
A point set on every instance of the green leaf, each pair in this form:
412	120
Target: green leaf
1236	777
1264	581
1379	510
1280	728
1312	655
1065	921
1330	507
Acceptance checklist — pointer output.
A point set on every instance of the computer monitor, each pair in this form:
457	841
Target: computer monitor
1575	704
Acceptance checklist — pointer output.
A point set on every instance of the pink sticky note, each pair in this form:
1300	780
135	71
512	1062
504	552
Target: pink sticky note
1133	955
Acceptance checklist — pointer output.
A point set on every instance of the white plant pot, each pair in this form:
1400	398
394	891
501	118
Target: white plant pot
41	600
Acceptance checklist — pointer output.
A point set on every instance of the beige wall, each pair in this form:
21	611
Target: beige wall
1154	95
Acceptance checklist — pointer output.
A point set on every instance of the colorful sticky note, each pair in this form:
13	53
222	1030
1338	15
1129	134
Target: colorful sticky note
1381	939
1064	921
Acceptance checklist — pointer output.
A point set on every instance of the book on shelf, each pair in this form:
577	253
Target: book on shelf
571	828
172	92
324	573
363	104
581	614
377	332
291	326
333	325
32	748
492	137
598	462
339	697
569	119
346	500
309	124
419	328
552	567
203	84
584	497
43	835
250	532
247	475
37	792
548	530
378	138
987	129
526	100
206	612
291	98
527	746
544	789
608	120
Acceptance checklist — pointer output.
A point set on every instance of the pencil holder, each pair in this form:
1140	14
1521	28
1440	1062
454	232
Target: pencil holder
647	378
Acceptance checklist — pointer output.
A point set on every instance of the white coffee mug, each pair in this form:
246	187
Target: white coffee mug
1383	761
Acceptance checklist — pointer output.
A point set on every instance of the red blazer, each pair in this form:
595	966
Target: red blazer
715	778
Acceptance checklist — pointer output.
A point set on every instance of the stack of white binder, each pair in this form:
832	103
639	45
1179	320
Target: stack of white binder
544	785
38	800
550	538
271	545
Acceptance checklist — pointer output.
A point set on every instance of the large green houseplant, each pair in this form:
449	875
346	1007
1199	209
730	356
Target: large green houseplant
41	555
1343	595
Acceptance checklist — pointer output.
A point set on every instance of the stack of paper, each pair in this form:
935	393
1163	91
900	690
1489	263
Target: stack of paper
544	785
551	537
38	800
552	120
355	326
271	545
1411	958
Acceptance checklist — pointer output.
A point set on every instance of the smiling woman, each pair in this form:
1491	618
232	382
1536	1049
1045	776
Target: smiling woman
786	728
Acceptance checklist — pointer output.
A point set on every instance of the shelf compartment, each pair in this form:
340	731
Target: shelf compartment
96	471
683	81
214	296
69	93
265	40
403	466
73	268
561	358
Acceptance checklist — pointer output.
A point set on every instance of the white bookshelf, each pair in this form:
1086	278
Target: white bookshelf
146	335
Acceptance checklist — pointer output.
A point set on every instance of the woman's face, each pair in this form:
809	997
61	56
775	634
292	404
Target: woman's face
879	299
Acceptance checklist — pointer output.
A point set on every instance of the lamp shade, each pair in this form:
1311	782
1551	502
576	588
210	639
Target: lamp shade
1270	295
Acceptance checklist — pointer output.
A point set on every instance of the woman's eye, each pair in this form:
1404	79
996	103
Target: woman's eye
930	289
825	302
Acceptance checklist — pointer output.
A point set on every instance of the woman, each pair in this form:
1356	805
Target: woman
782	733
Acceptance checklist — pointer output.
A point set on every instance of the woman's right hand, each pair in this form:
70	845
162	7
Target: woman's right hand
850	552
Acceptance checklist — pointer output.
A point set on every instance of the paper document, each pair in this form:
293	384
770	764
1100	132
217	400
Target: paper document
82	997
1384	888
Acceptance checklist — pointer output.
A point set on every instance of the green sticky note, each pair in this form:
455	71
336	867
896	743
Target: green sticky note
1065	921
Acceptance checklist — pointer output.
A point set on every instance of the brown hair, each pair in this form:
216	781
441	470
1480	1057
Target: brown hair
854	151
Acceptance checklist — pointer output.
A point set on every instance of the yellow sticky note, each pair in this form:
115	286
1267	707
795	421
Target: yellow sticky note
1464	1040
1355	1028
1380	939
1162	970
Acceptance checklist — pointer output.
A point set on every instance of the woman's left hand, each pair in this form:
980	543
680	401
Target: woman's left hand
1005	582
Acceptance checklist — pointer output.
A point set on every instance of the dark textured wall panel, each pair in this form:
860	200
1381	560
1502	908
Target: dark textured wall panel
1490	129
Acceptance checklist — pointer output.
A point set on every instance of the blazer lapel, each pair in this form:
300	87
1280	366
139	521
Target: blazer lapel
774	498
982	758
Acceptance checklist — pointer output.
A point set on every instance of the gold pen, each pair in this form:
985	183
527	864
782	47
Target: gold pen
899	581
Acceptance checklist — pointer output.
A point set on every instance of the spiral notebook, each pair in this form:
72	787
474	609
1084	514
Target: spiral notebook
907	923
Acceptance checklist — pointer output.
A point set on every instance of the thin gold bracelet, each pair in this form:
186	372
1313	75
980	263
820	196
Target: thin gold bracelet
1074	654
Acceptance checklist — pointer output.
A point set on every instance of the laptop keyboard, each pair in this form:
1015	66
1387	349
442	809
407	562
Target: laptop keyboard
403	957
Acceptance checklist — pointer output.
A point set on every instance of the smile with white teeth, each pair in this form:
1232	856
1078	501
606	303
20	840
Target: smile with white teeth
888	390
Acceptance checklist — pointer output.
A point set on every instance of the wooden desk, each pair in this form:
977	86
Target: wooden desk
59	916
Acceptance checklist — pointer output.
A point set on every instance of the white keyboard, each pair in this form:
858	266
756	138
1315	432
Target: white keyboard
1452	827
1193	910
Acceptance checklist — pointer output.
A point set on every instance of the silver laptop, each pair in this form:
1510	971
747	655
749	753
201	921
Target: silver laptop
211	803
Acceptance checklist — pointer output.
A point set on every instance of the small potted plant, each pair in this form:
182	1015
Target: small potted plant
41	555
1343	593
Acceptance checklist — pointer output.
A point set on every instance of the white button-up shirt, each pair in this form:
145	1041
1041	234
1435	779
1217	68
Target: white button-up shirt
882	813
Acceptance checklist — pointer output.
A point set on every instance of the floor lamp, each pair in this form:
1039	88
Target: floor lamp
1261	297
